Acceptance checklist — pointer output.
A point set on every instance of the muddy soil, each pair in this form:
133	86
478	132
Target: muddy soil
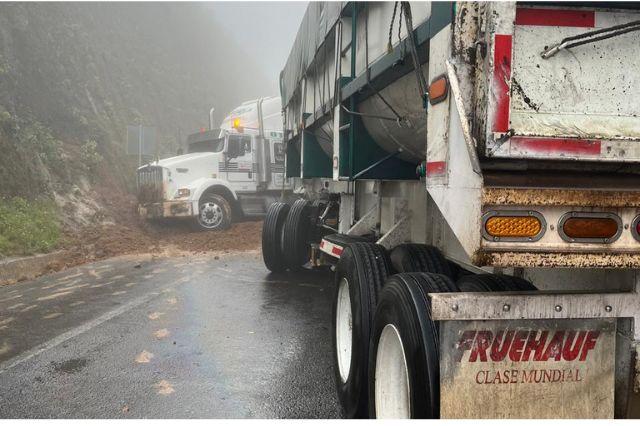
120	231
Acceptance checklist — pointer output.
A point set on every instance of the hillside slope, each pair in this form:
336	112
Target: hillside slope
74	75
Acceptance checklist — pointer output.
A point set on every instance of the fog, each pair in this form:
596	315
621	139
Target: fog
263	30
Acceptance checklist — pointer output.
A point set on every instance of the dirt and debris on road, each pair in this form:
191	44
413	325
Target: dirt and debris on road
119	230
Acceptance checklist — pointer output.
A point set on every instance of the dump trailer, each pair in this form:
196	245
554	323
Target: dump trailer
470	173
229	172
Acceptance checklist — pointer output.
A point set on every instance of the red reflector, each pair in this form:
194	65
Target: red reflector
555	17
560	146
590	227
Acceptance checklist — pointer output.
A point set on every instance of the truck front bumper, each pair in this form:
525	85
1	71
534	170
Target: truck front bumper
167	209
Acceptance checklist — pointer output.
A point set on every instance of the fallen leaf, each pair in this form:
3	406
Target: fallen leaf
164	388
144	357
161	334
155	315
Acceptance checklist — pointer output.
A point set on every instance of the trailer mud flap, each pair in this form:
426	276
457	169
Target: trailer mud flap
527	369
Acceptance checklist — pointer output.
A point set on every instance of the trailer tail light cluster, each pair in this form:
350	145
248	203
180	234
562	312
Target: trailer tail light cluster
513	225
573	227
590	227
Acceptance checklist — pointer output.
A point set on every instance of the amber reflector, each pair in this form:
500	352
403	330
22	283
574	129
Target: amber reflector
590	227
438	90
513	226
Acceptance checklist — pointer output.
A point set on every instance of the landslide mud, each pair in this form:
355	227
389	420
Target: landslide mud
556	197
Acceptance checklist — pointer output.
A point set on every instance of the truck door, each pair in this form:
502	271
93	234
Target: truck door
239	165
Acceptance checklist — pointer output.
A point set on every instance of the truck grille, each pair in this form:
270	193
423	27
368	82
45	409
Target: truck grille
150	184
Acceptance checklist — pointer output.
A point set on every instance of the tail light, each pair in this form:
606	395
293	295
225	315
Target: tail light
635	228
586	227
513	225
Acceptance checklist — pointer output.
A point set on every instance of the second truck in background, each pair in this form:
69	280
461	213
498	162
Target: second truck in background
229	172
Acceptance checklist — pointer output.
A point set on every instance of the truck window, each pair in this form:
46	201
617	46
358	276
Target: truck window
278	152
238	146
211	145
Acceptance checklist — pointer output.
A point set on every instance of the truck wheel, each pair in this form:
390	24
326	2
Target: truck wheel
404	376
493	282
360	274
296	234
422	258
272	237
214	213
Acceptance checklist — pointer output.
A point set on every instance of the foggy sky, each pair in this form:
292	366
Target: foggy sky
264	30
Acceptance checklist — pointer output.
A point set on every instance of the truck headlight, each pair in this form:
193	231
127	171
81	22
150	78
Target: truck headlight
183	192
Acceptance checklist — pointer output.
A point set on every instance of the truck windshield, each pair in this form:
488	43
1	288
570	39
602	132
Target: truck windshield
210	145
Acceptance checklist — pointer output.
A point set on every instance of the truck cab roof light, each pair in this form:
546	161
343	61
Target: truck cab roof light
513	225
590	227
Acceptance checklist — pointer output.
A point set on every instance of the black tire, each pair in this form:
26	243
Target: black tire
421	258
214	213
272	237
296	234
404	305
365	267
493	282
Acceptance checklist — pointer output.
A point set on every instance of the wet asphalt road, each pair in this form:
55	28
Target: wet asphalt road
178	337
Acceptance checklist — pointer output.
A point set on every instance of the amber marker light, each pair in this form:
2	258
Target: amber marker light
438	89
513	226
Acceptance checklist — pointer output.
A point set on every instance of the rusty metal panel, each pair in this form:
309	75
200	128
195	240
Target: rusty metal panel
527	369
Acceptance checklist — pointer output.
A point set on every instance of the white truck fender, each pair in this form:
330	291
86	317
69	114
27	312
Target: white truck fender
199	186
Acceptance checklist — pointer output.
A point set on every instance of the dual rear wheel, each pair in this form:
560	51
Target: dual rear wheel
287	233
386	344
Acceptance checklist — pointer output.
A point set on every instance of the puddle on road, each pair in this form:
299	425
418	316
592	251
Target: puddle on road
70	366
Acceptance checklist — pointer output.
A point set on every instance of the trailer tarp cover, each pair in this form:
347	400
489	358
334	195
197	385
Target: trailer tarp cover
318	20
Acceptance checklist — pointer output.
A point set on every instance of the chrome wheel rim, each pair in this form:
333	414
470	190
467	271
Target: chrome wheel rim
211	215
392	392
344	330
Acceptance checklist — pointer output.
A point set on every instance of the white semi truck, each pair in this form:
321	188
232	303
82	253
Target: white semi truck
233	171
470	171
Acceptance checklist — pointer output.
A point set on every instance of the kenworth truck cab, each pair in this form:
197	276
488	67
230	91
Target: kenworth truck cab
230	172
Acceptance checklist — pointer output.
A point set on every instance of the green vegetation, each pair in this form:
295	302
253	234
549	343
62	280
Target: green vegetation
28	227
